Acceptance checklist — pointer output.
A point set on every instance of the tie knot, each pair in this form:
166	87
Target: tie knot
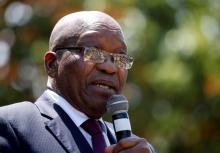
92	127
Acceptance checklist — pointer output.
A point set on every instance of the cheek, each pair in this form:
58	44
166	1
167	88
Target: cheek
71	64
122	75
88	67
70	68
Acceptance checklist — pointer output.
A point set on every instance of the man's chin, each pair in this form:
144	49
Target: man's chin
96	115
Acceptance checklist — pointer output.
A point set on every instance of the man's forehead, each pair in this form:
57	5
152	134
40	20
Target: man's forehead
98	36
73	25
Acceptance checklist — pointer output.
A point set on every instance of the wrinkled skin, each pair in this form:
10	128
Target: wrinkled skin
129	145
79	81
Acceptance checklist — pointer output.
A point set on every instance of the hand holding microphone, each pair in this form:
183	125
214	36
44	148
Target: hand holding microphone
117	106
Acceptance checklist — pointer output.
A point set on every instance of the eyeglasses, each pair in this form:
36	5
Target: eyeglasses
96	55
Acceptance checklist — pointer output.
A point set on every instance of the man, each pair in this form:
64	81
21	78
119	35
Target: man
86	63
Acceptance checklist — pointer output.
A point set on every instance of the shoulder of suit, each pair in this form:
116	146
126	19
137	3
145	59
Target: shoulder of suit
18	110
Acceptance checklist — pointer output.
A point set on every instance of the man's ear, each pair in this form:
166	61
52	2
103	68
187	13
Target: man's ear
50	62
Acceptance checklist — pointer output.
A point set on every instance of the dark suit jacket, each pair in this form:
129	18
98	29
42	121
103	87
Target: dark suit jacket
42	127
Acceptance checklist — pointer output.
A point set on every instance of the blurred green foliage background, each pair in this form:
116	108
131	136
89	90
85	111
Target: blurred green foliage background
174	85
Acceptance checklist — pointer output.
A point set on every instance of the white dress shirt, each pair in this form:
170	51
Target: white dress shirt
77	117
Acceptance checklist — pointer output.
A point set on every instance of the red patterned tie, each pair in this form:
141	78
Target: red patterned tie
93	128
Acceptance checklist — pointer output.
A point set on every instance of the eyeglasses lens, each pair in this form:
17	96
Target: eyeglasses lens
97	56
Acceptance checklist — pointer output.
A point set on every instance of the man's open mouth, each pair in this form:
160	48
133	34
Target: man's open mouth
104	84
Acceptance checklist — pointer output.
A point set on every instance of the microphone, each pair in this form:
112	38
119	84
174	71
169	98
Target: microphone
117	106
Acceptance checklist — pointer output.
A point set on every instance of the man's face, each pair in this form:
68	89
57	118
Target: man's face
87	85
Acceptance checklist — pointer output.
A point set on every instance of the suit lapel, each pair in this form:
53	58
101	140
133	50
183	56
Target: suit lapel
62	134
55	124
80	140
110	135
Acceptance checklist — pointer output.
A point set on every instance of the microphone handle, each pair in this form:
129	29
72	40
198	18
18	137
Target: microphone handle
122	125
122	134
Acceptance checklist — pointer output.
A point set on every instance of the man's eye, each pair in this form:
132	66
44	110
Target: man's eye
93	55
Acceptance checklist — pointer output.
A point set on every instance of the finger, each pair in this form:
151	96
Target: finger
109	149
127	143
139	148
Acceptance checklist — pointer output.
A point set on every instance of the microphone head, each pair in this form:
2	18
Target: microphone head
116	104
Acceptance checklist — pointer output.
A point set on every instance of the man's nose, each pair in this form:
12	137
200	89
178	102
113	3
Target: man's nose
108	66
